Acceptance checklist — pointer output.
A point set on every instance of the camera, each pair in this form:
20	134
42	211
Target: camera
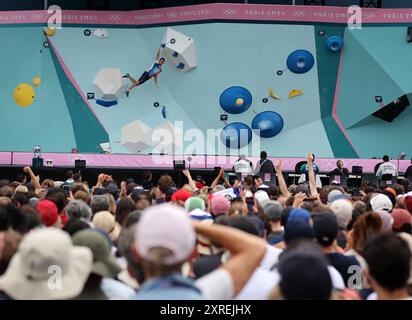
66	189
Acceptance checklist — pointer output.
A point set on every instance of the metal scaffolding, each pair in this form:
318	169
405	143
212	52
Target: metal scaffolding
314	2
370	3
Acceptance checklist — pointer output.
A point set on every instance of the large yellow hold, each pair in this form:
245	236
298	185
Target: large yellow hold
50	31
24	95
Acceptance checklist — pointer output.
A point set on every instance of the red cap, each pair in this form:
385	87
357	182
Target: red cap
181	195
400	217
391	191
199	185
220	205
48	212
408	203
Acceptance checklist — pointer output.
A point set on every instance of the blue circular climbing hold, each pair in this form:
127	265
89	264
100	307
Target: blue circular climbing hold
175	54
236	135
300	61
334	43
235	100
267	124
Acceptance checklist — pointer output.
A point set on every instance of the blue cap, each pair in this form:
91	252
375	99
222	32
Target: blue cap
299	213
298	229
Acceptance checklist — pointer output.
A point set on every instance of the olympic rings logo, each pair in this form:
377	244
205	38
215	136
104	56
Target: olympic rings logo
36	16
172	14
369	15
229	12
299	13
115	18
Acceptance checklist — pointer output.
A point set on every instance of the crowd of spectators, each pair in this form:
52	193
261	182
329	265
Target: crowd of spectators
145	239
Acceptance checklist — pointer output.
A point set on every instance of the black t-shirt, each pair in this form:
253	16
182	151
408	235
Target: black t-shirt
408	172
341	239
337	172
207	264
342	263
147	184
266	166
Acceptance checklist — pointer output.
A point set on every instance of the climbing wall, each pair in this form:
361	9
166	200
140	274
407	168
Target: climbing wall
224	88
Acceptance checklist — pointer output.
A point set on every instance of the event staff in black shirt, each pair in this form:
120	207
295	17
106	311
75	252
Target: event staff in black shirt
340	170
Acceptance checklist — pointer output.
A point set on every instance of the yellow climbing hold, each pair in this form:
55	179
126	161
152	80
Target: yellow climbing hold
50	31
239	102
24	95
295	93
273	94
36	81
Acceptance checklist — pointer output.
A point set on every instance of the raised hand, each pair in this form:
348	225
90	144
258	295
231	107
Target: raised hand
108	178
299	198
278	165
101	177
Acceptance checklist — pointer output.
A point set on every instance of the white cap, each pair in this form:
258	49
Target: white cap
381	202
166	226
261	196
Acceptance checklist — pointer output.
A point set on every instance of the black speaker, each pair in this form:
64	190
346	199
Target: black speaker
392	110
37	163
357	170
80	164
179	164
409	35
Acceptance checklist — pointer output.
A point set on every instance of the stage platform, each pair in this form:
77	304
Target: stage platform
128	161
123	166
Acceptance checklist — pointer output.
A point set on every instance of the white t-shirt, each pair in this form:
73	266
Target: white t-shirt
270	258
216	285
262	280
372	296
337	280
243	166
259	286
387	168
